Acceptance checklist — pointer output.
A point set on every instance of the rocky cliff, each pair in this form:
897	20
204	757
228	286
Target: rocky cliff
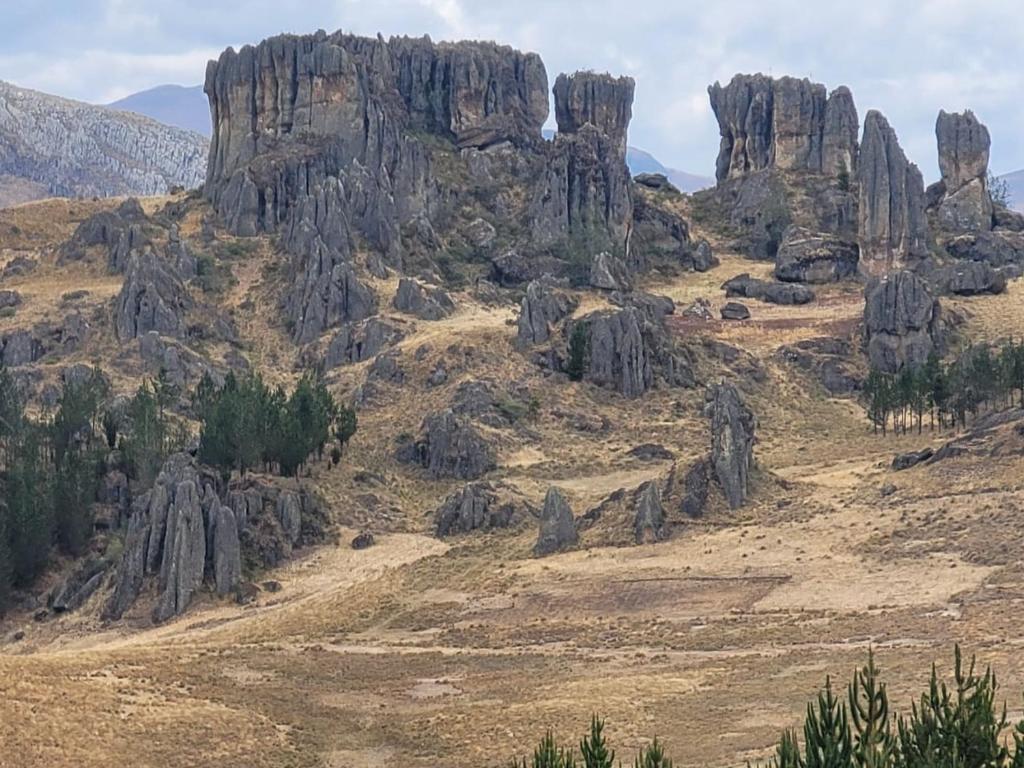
66	148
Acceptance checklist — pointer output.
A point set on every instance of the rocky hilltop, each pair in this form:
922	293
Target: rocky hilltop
51	146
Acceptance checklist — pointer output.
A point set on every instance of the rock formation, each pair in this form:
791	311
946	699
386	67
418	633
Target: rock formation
70	149
734	310
423	301
695	488
649	521
557	526
542	307
893	229
814	257
357	342
450	446
152	298
901	321
584	198
474	507
180	531
732	441
963	199
783	123
121	232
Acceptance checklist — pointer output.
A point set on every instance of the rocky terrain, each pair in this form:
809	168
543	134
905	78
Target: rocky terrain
53	147
611	450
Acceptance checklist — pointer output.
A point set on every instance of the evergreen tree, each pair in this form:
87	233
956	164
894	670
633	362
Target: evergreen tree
579	343
873	740
594	748
652	756
827	739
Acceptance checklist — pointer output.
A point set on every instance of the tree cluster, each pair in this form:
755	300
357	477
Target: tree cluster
954	725
248	425
985	377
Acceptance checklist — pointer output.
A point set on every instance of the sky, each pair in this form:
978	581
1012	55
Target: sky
907	58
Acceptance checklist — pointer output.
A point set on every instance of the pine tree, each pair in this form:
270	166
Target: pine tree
827	738
652	756
787	753
579	343
594	748
873	740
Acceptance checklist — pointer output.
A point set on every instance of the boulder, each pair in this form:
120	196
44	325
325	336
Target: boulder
20	347
968	278
732	441
828	359
703	258
9	299
363	540
912	459
542	307
749	287
152	298
901	321
963	200
122	232
695	488
72	593
618	354
655	181
997	249
893	228
733	310
424	302
805	256
649	521
557	526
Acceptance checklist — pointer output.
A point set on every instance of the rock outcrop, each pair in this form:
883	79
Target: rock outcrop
557	526
734	310
893	228
474	507
70	149
814	257
696	485
732	441
152	298
963	202
649	520
584	198
542	307
901	321
181	533
783	123
121	232
450	446
423	301
357	342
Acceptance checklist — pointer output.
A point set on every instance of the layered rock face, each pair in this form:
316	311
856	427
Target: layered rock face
964	202
557	525
814	257
893	228
152	298
542	306
901	321
313	138
783	123
585	195
67	148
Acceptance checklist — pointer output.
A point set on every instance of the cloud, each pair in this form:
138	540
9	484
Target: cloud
908	59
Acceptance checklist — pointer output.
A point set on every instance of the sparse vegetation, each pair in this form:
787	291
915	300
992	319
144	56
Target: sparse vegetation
999	189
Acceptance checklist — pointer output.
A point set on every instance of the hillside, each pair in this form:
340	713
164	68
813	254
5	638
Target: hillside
51	146
618	449
177	105
1015	186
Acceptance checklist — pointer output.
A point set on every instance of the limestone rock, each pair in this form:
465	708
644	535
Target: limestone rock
152	298
901	321
424	302
695	488
184	552
450	446
649	522
609	273
893	229
9	299
965	203
656	181
763	290
814	257
227	551
997	249
783	123
474	507
828	359
357	342
599	100
618	354
557	526
542	307
966	278
325	294
732	441
20	347
661	236
71	594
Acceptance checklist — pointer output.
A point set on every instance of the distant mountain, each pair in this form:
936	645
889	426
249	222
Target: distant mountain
51	146
642	161
1015	186
178	105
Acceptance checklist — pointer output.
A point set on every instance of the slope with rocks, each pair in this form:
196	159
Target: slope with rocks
51	147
